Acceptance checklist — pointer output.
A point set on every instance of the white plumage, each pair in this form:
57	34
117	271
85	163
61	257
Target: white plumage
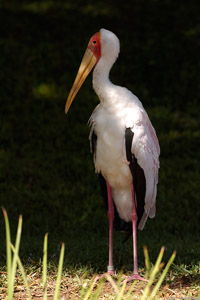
120	109
123	140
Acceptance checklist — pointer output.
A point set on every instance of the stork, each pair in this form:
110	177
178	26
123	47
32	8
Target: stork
124	144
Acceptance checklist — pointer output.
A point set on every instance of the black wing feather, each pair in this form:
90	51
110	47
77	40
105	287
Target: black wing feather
139	180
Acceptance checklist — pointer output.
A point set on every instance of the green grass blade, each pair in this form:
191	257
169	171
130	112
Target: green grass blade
158	284
121	292
147	260
153	275
128	295
60	265
17	244
10	285
44	265
95	296
22	271
113	284
157	264
120	279
89	291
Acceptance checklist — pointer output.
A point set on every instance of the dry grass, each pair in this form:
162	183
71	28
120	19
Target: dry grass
72	286
47	282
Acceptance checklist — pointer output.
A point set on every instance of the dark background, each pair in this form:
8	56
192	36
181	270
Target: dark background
46	169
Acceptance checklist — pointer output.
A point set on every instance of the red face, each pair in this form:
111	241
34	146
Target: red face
95	45
90	59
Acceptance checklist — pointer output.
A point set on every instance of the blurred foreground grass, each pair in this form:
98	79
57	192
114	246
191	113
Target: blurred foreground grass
120	287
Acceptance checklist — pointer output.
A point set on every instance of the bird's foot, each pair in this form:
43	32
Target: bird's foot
110	271
134	277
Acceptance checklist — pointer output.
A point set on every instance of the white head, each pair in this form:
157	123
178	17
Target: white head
109	45
102	51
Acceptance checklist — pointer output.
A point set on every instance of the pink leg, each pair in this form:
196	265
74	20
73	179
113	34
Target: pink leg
134	224
110	267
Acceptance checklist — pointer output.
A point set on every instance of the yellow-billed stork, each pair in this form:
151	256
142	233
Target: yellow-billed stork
123	141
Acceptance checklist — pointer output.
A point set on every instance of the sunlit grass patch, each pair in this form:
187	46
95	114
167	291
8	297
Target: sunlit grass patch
13	261
44	90
92	290
47	282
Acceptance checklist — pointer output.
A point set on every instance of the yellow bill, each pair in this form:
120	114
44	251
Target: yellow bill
88	62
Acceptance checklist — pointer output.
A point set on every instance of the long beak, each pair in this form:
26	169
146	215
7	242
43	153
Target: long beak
88	62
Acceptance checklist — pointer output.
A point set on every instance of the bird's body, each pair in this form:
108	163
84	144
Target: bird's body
120	109
122	161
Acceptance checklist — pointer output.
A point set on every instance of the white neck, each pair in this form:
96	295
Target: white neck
101	81
109	53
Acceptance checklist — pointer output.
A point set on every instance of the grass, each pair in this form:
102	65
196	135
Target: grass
86	293
46	170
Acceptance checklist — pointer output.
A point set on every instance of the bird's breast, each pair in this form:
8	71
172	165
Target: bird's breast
110	150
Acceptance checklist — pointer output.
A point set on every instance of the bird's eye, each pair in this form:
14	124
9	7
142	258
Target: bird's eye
94	42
